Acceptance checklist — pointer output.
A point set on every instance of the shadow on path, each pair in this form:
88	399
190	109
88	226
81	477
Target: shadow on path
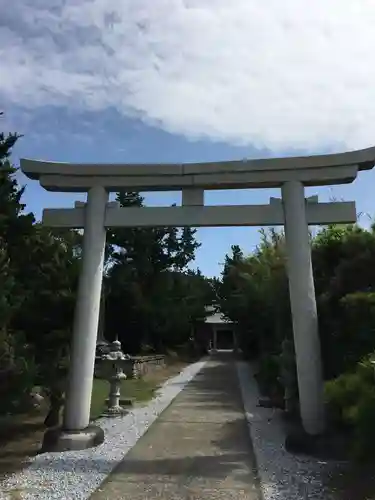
198	448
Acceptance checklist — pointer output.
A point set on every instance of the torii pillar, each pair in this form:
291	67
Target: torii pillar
76	432
303	307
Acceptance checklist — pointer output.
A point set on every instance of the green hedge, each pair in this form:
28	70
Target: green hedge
351	406
347	331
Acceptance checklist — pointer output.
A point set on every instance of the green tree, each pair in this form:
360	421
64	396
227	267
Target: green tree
17	367
254	294
141	280
49	275
38	278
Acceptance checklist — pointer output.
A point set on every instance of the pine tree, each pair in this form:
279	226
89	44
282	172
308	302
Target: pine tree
139	279
10	210
16	361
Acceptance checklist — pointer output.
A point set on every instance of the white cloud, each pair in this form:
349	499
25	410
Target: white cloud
280	74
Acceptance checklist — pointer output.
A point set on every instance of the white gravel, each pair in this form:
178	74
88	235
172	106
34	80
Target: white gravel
283	476
76	475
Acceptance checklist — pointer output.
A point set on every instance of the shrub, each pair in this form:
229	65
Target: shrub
17	372
288	377
347	331
351	405
268	376
362	418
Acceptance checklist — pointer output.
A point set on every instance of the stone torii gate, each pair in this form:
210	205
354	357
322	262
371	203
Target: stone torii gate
293	211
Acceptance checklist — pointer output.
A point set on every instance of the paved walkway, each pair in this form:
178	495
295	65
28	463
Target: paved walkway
199	448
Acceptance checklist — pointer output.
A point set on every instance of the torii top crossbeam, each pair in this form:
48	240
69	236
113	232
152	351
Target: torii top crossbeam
313	170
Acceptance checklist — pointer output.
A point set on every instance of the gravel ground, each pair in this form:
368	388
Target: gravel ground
283	476
76	475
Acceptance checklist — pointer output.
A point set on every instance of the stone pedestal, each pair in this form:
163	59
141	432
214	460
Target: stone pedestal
128	402
58	439
114	408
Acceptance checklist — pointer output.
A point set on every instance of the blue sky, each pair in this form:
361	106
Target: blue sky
189	80
116	139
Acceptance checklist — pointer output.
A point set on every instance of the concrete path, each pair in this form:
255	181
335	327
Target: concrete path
199	448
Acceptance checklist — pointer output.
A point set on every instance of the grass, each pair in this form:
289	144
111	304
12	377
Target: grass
140	390
21	435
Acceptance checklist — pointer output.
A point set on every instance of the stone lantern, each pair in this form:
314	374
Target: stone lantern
114	363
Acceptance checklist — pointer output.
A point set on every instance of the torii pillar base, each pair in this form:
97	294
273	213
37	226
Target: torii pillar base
58	439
